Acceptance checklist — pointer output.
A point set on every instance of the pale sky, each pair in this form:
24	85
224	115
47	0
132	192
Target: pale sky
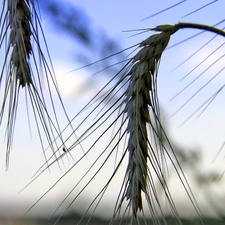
205	133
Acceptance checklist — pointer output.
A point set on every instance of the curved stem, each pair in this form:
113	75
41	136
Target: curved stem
201	27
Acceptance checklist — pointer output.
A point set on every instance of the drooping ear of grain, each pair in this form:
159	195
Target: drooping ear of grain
139	97
150	154
140	128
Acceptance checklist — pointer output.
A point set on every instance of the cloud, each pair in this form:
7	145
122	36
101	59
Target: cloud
69	83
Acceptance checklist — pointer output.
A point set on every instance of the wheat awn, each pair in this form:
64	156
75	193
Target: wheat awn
24	69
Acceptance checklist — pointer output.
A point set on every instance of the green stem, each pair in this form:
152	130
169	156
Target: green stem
201	27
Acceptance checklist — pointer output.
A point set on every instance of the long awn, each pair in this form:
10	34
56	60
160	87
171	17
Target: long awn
26	68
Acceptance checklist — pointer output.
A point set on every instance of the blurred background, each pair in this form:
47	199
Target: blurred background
79	33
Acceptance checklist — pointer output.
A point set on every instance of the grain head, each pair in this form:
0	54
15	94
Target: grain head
25	70
140	96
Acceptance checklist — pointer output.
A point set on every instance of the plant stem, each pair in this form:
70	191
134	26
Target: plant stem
201	27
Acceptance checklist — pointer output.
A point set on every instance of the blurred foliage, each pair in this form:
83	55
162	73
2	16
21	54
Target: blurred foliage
74	219
192	163
73	21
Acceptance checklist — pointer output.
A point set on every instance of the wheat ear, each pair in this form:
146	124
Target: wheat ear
20	40
138	101
140	95
17	22
24	68
141	134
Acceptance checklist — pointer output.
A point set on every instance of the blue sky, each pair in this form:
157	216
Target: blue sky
119	16
205	133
